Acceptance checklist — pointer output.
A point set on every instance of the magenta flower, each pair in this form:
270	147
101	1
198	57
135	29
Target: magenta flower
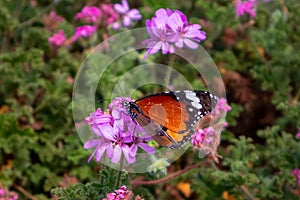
89	14
58	38
109	14
53	16
168	28
84	31
159	37
203	137
8	195
243	7
188	34
2	192
127	13
298	134
116	134
296	174
118	194
207	139
221	108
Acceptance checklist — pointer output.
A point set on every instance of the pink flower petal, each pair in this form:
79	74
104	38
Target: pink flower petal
108	132
125	5
117	154
133	150
190	43
119	8
110	150
126	21
165	47
175	22
134	14
155	48
146	148
99	152
91	143
179	43
126	151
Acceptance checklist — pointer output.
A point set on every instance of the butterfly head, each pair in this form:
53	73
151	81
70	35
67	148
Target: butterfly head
131	108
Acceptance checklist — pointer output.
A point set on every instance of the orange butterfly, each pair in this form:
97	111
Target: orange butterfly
170	117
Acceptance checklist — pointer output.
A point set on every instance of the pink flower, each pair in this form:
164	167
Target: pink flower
89	14
2	193
159	37
127	13
84	31
54	17
188	34
170	28
221	107
298	134
116	134
118	194
203	137
243	7
109	14
58	38
296	174
8	195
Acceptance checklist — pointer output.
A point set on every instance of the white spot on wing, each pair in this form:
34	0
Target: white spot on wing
192	96
196	105
195	100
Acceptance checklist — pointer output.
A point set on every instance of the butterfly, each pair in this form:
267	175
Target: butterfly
170	117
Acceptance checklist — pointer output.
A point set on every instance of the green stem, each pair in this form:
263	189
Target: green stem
171	65
37	16
118	183
247	193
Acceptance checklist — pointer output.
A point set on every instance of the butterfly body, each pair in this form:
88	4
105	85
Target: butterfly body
170	117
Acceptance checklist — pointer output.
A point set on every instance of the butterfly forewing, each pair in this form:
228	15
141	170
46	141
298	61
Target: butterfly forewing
165	111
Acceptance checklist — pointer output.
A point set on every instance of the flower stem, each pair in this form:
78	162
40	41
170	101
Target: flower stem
171	65
247	193
171	176
37	16
118	183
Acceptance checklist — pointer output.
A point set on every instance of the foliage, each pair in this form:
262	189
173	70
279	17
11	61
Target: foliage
258	59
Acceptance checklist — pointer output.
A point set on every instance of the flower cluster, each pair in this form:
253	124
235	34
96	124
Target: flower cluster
8	195
97	17
207	139
115	133
296	174
221	107
84	31
169	29
118	194
109	14
52	21
203	137
121	194
58	38
243	7
89	14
